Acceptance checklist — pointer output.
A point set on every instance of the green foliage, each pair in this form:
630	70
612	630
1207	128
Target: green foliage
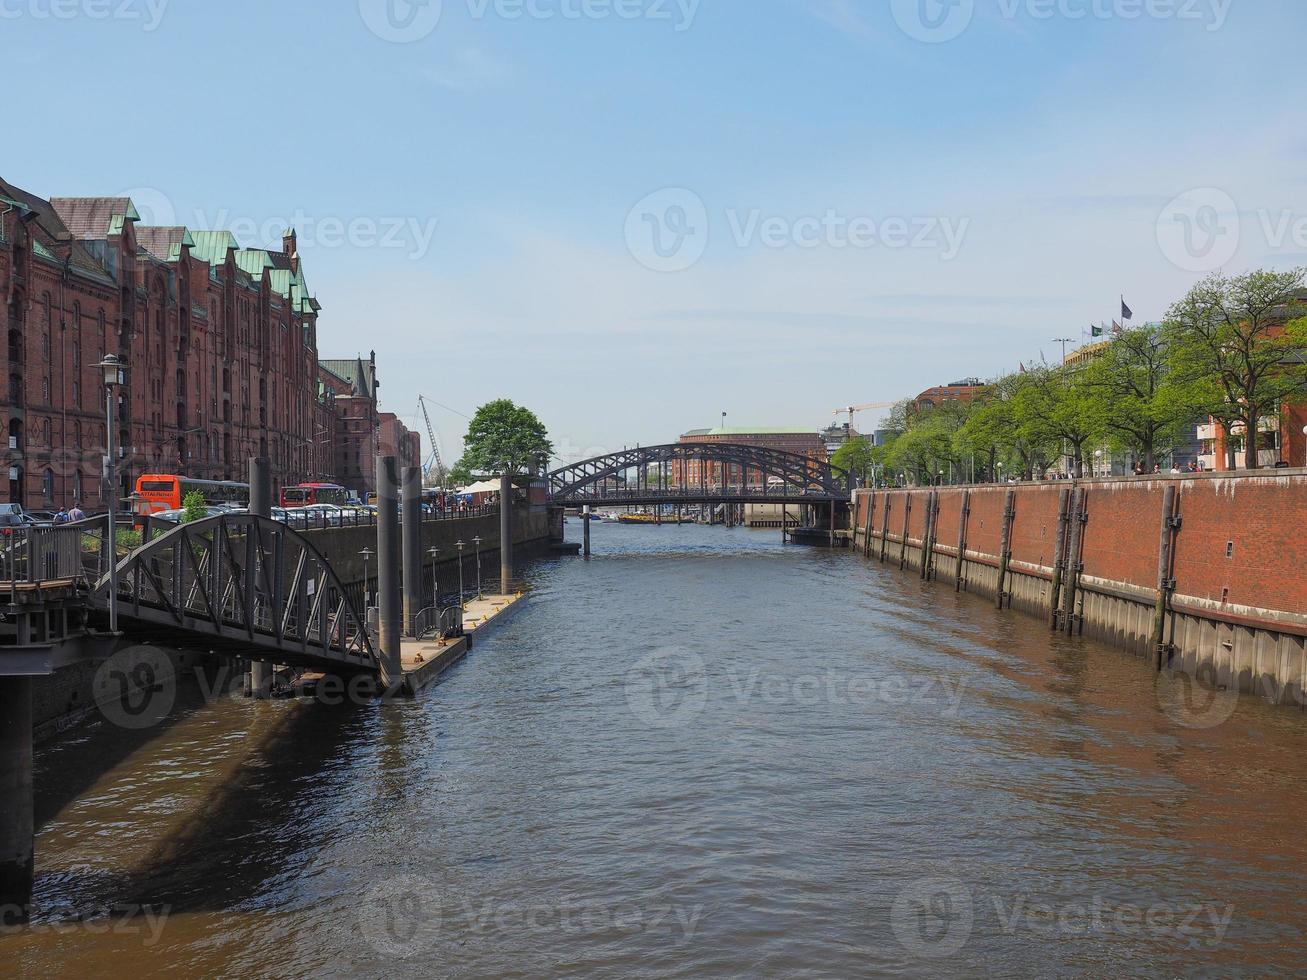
194	508
460	475
854	457
504	437
1232	353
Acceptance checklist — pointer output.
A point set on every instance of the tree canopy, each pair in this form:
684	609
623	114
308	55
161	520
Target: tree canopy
505	438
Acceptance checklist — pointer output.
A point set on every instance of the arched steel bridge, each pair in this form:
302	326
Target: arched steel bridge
244	585
691	473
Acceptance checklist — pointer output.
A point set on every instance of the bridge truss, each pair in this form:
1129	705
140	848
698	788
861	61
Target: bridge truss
689	473
243	585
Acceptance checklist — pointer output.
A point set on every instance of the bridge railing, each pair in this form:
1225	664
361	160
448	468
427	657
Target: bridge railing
445	623
39	555
322	520
691	490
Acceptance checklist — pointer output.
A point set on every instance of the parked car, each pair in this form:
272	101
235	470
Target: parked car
11	516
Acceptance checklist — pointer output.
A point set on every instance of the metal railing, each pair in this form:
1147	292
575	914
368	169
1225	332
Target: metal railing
322	520
446	623
41	555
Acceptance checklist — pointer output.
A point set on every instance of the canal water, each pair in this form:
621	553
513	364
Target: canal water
701	753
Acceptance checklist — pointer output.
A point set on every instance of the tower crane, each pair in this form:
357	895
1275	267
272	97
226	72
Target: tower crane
434	465
853	410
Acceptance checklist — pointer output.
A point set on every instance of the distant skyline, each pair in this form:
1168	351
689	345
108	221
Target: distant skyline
633	215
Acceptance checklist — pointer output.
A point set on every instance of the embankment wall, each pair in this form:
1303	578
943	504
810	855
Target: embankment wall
1206	572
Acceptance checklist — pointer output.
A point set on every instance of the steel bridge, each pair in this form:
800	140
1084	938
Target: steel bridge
699	473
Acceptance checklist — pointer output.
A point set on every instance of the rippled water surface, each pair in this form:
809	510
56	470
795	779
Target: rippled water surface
699	754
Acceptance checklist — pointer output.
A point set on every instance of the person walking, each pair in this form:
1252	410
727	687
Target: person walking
76	514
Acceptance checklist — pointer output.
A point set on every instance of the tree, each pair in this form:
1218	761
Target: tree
1134	396
194	507
854	458
1236	345
506	438
459	475
1053	409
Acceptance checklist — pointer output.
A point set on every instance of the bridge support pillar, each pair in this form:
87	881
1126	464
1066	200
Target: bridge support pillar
388	573
505	534
16	824
585	524
411	533
258	683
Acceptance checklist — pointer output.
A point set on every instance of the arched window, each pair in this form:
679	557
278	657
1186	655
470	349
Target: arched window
77	316
77	487
47	485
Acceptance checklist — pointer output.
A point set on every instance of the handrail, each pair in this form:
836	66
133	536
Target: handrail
446	623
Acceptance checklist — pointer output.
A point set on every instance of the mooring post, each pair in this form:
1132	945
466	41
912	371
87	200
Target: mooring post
928	535
1164	583
903	545
1074	548
15	799
410	529
1005	546
1059	558
884	530
258	683
585	524
505	534
963	514
389	602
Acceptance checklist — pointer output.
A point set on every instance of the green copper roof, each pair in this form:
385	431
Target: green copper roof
212	245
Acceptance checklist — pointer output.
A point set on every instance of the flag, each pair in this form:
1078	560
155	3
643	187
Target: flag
1096	331
1117	328
1126	312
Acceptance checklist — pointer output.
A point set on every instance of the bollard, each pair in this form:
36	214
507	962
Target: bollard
505	534
585	524
388	573
258	682
411	533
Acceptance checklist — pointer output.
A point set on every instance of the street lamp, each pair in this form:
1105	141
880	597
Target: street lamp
367	554
477	542
1304	432
435	589
113	379
460	546
999	467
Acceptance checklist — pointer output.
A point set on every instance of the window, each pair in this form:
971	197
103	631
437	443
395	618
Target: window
77	354
77	395
45	391
47	485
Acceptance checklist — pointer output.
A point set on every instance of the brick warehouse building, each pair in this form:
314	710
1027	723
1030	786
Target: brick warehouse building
800	441
353	387
219	343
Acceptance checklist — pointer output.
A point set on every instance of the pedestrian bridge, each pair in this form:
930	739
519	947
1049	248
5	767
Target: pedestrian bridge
696	473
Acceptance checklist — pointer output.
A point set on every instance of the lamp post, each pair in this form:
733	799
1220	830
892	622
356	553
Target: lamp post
477	542
460	546
1304	433
113	379
435	588
367	554
999	467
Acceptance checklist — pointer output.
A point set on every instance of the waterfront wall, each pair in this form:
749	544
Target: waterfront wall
1208	567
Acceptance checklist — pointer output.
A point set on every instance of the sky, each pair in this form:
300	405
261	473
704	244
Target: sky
632	216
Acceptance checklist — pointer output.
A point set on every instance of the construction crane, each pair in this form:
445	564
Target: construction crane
434	466
853	410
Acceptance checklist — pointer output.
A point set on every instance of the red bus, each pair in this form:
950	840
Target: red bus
157	492
307	494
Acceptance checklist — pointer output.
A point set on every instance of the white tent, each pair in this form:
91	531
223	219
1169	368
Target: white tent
485	486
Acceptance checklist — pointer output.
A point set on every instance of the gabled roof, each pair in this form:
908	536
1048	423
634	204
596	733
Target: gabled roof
49	225
355	372
163	242
94	218
211	246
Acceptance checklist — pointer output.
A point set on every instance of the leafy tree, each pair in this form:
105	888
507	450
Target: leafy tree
194	507
1236	346
460	475
506	438
1053	409
1134	396
854	457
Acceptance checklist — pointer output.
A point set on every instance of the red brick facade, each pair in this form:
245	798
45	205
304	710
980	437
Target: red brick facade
219	344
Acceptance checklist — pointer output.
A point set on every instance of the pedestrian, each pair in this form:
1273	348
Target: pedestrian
77	514
61	517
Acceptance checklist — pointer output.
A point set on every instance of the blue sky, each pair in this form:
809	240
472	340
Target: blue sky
844	212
